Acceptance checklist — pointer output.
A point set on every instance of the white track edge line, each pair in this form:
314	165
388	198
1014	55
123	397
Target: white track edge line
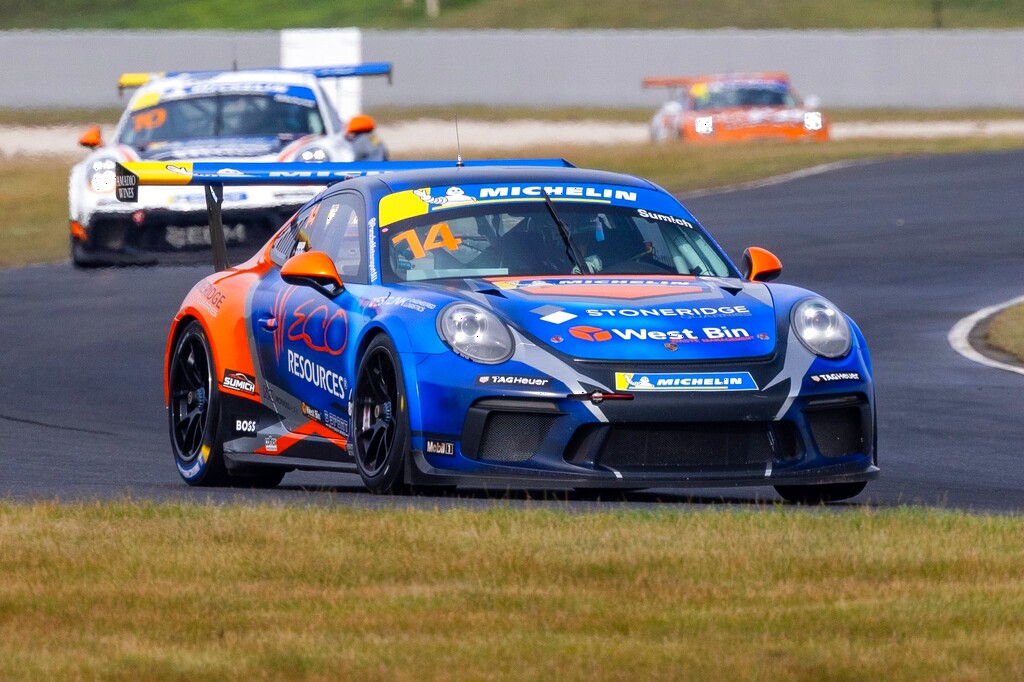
779	179
959	335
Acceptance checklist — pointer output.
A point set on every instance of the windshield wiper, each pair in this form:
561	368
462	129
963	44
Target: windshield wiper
570	248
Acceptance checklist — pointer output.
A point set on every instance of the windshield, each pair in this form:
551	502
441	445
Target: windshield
222	116
773	95
523	239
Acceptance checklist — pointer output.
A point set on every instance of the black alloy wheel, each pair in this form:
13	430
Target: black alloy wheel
380	419
194	410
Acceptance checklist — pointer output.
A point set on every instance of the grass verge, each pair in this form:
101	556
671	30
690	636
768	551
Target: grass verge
33	210
168	591
1006	332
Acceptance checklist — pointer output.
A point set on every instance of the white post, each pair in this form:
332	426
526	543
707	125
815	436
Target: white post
328	47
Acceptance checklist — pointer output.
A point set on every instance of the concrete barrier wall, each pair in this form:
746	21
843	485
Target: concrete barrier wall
604	68
919	68
80	68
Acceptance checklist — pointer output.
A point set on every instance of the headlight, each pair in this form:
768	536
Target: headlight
822	328
100	175
474	333
812	120
314	154
704	125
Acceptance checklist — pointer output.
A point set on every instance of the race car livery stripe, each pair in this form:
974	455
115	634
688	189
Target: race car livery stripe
160	172
311	428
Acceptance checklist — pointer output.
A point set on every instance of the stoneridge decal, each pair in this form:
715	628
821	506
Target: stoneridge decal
705	311
713	381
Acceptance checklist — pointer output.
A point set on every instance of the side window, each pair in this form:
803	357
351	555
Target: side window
284	247
336	227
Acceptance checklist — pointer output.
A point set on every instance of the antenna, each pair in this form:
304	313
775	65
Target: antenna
458	145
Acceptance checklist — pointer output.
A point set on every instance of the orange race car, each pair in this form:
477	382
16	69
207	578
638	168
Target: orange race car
735	107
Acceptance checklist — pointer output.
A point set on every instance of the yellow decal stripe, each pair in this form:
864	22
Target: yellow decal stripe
145	101
161	172
399	206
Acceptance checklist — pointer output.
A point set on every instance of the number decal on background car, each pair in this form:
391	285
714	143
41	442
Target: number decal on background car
149	120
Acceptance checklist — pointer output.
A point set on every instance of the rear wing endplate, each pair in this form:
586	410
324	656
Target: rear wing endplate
215	175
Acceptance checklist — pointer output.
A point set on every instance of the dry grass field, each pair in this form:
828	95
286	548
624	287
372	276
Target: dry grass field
126	591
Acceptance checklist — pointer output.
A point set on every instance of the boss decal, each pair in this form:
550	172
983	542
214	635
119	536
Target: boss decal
246	426
705	311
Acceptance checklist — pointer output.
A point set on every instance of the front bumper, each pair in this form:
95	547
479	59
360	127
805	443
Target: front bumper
825	434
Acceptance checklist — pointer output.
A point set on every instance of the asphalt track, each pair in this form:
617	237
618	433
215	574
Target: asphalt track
907	247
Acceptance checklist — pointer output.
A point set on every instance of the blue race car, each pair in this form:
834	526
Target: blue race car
513	323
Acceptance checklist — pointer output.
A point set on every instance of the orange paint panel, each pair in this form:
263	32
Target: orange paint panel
310	428
218	302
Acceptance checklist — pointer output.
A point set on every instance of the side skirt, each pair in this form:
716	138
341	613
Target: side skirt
236	460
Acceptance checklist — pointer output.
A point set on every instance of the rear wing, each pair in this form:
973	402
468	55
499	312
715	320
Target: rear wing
136	80
215	175
668	81
688	81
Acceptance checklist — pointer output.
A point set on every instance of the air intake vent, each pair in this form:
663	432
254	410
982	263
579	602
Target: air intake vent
837	431
710	445
514	436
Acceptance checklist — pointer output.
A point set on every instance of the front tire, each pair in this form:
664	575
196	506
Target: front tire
380	419
820	494
194	410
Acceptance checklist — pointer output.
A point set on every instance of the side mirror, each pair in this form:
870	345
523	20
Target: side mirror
91	138
760	265
812	101
313	269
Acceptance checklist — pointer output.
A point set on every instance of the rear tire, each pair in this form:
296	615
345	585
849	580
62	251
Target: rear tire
194	410
380	419
820	494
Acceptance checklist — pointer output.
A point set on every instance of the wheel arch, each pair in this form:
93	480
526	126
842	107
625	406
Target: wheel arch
399	337
178	325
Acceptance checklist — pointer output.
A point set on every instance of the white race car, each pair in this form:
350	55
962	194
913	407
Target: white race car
253	115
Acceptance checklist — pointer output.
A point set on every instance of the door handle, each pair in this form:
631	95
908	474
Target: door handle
268	322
